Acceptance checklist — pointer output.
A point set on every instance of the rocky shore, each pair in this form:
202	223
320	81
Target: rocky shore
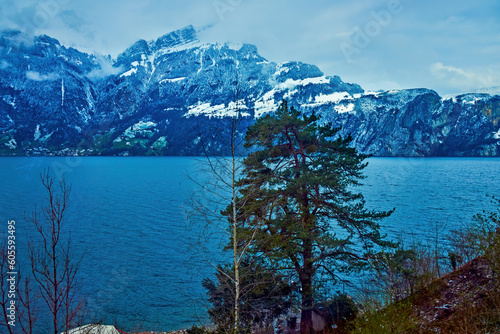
173	332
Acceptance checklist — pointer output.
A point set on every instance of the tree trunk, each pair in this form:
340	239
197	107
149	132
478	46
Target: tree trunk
235	236
306	280
236	262
306	322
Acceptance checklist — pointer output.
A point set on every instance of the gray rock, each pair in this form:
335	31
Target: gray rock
159	98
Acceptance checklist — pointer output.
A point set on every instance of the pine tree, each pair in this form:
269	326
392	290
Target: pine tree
303	214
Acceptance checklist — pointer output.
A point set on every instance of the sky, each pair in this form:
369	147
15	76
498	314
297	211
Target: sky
452	47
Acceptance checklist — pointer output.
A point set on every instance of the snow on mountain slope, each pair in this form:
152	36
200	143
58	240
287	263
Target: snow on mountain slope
159	96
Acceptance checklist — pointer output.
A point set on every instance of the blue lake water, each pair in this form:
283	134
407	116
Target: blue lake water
144	262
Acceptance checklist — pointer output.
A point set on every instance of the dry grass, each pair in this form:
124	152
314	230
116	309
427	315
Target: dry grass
466	300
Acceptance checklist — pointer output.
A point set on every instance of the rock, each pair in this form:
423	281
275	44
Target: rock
94	329
60	101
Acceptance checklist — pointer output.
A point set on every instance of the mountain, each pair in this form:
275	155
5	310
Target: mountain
46	94
163	97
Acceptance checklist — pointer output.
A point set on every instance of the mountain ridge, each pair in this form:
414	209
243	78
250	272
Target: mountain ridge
159	96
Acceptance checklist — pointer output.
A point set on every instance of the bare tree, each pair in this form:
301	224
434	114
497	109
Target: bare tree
52	266
19	317
28	312
222	146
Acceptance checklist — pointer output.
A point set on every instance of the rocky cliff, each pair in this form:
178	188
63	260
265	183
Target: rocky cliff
161	97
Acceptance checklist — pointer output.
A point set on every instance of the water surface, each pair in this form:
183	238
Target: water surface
142	266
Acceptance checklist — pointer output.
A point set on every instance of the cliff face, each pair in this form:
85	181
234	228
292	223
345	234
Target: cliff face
420	123
159	97
46	94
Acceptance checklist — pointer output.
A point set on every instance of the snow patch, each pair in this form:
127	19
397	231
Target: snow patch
323	99
234	46
315	81
172	80
472	102
151	60
46	137
453	98
62	92
202	53
37	132
220	110
373	93
291	84
146	62
281	68
290	93
344	108
142	126
497	135
10	100
267	104
89	97
332	98
129	72
12	144
472	98
182	47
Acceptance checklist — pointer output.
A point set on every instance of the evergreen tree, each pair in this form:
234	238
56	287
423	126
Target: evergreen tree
303	214
264	296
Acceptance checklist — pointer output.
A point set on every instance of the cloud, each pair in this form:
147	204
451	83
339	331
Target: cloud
35	76
17	38
73	21
105	69
4	64
34	17
421	33
463	79
27	19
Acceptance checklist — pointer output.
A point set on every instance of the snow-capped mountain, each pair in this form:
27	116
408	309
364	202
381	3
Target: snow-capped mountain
161	97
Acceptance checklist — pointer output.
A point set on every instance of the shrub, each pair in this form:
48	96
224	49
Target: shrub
265	295
198	330
339	310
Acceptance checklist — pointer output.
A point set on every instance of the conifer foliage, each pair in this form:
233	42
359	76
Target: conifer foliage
301	210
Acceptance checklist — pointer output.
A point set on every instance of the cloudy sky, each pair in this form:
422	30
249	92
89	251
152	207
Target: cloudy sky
449	46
